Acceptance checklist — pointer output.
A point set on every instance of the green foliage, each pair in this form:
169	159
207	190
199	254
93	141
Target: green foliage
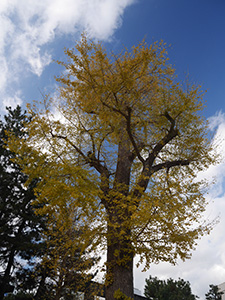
19	296
20	227
213	293
156	289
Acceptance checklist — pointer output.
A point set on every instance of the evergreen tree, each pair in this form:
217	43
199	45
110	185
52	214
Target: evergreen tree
20	227
156	289
213	293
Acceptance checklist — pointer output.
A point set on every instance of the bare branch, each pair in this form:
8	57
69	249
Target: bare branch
169	164
90	158
65	138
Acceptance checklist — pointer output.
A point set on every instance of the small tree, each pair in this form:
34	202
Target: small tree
156	289
213	293
129	143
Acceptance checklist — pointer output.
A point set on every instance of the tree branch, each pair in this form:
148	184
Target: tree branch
113	108
136	148
172	133
65	138
169	164
148	168
89	158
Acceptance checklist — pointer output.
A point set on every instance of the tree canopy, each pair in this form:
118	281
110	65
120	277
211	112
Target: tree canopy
214	293
124	141
156	289
20	227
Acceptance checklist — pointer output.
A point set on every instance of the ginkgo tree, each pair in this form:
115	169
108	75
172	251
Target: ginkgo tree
128	141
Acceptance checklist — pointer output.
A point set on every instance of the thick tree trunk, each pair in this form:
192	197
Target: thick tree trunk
119	268
119	277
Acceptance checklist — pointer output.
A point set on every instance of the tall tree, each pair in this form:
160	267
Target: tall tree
130	142
156	289
20	227
213	293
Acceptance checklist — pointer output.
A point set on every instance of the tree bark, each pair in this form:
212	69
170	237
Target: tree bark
5	282
119	265
119	245
5	285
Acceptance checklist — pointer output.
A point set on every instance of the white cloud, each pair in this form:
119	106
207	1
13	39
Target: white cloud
35	23
107	13
29	26
216	120
13	101
3	73
217	172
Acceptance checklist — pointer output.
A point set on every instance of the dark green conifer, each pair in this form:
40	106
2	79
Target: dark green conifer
156	289
20	227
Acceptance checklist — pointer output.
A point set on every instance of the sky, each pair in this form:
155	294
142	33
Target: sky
34	33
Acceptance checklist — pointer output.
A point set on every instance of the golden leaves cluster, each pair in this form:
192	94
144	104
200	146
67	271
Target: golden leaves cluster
132	99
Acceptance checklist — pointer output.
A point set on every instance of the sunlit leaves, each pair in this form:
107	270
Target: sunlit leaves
124	149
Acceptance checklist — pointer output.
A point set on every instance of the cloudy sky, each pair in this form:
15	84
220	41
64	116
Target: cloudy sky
33	33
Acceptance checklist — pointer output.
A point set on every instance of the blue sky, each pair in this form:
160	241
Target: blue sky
33	33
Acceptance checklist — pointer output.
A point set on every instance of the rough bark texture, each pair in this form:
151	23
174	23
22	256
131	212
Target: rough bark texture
119	247
119	268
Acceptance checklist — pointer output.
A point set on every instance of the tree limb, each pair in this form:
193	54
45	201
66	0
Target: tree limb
169	164
136	148
89	158
148	168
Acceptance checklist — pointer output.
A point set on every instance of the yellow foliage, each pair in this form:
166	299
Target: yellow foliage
125	150
119	295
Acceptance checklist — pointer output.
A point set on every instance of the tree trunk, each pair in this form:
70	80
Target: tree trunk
42	287
120	253
5	282
119	265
